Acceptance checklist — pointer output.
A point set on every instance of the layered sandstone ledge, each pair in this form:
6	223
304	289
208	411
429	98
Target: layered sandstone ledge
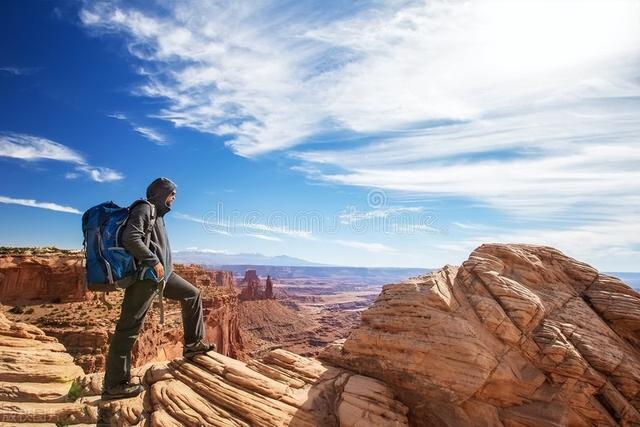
37	388
519	335
48	285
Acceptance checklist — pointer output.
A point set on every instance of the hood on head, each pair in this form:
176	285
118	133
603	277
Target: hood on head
157	193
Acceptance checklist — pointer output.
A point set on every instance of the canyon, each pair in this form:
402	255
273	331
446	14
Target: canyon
84	324
52	276
518	335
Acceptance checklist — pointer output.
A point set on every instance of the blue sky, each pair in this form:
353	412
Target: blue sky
354	133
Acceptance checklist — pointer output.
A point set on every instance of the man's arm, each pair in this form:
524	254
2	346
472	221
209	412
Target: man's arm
133	235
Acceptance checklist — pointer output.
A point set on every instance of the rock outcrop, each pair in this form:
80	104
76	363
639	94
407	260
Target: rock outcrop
86	328
37	387
32	277
252	288
250	284
36	375
519	335
201	277
268	288
84	325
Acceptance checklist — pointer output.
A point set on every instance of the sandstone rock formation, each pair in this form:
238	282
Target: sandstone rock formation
250	286
268	288
35	377
32	277
519	335
212	390
201	277
85	326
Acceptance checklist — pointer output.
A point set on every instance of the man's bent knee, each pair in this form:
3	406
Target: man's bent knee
193	296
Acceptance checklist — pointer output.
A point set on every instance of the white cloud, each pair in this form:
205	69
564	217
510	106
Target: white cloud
353	215
100	174
208	226
117	116
288	231
204	250
34	148
20	71
147	132
599	179
264	237
469	225
34	204
30	147
526	107
151	134
369	247
270	77
609	243
244	227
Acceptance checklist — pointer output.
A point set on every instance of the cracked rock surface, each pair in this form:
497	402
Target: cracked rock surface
519	335
41	385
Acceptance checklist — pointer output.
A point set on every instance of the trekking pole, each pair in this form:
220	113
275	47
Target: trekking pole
160	292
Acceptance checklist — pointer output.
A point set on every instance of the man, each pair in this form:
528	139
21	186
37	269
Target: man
139	296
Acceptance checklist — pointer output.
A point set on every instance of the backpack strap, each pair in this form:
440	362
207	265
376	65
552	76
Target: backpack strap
152	219
152	223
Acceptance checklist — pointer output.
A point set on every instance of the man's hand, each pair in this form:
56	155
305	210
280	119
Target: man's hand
159	270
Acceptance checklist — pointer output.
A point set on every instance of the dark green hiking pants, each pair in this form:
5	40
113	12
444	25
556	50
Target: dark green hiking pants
137	300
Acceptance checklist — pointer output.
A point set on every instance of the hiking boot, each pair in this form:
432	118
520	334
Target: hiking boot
122	391
199	347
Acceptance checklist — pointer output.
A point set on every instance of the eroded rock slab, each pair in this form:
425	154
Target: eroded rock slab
519	335
36	375
41	385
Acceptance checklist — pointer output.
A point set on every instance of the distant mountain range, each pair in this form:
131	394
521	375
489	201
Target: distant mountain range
219	258
287	266
284	266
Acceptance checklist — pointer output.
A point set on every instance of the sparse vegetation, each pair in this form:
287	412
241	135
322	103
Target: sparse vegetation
75	392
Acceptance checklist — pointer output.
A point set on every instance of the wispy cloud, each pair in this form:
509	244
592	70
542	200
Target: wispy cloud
20	71
450	100
264	237
42	205
469	225
205	250
147	132
212	224
369	247
100	174
34	148
611	242
270	77
353	215
208	226
117	116
30	147
151	135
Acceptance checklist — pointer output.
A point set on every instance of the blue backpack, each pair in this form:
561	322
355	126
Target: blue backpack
109	266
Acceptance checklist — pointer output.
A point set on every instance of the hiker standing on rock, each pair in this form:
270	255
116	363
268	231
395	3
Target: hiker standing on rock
139	296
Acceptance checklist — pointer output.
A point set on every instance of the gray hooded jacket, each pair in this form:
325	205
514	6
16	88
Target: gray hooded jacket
133	234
